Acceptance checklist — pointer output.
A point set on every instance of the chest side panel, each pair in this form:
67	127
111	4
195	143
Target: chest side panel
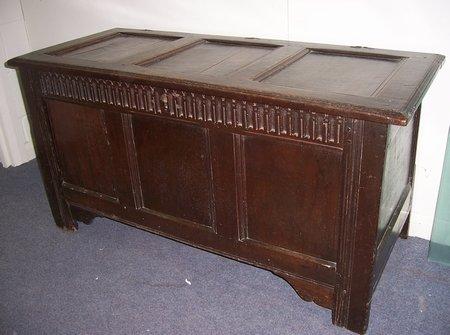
396	175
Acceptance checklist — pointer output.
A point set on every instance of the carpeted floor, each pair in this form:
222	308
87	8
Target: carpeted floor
109	278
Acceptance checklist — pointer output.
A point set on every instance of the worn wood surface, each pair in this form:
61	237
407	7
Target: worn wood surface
294	157
372	84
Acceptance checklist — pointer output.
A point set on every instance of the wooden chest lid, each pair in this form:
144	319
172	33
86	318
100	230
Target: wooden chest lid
370	84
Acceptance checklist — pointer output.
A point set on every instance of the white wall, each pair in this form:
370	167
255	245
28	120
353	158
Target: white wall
414	25
15	142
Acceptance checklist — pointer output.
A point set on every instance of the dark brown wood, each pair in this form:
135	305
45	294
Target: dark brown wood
309	291
82	215
391	89
294	157
363	216
284	200
87	141
44	148
412	166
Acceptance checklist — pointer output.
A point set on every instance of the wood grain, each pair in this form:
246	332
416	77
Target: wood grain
293	157
393	84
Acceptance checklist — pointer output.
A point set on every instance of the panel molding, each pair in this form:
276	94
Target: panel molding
291	253
207	109
240	182
212	199
109	149
127	124
80	189
179	220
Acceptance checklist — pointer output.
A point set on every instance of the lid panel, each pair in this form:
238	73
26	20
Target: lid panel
116	47
336	72
212	58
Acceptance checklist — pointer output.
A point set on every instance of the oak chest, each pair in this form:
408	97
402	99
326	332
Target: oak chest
294	157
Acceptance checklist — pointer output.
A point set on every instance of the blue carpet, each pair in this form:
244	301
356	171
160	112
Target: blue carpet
109	278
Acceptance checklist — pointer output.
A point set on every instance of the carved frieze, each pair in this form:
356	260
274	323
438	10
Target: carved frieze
219	111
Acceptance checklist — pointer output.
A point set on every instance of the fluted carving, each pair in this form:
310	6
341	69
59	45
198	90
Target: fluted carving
220	111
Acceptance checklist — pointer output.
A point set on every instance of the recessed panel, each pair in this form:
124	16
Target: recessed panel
396	171
82	145
292	195
212	58
336	72
174	168
117	47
